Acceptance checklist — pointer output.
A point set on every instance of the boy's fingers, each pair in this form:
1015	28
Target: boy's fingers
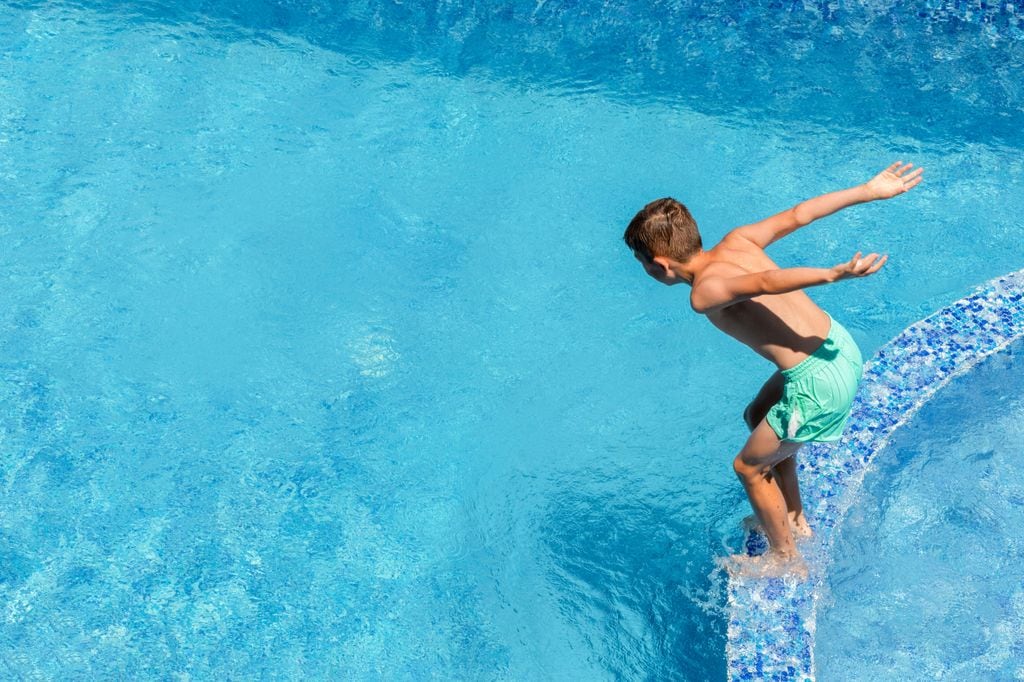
913	179
867	265
913	175
862	265
903	170
894	166
878	266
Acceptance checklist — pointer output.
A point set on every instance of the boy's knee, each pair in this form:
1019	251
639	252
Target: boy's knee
747	471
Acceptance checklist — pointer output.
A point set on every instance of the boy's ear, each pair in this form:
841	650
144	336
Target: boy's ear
662	262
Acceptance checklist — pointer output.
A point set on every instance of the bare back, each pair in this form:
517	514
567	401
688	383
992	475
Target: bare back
783	328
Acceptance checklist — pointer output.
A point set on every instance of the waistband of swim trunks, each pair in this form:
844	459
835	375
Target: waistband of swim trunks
824	354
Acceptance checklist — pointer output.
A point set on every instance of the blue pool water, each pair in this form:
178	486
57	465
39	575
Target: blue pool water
321	353
928	570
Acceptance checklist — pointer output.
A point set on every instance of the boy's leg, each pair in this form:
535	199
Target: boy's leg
784	471
785	474
753	466
769	394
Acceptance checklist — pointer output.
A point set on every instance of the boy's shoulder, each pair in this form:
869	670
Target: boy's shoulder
734	240
733	255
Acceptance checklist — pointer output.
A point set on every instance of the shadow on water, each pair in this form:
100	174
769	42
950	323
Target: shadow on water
635	574
945	68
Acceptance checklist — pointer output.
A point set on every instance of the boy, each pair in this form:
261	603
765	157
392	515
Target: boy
746	295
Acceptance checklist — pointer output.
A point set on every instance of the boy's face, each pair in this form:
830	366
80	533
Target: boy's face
658	269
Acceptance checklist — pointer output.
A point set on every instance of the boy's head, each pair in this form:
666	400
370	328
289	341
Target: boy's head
663	233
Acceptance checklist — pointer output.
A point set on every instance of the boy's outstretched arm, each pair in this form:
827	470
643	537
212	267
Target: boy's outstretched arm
716	293
891	182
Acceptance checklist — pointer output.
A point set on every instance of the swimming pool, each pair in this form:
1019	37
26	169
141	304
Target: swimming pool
322	354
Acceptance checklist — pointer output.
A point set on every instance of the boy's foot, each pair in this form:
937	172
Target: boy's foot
770	565
797	525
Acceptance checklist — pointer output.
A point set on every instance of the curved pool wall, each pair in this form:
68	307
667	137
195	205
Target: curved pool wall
771	620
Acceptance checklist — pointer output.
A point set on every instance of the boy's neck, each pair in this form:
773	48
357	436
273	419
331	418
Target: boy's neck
691	268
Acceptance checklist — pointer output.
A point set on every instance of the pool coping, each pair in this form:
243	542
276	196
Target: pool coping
772	621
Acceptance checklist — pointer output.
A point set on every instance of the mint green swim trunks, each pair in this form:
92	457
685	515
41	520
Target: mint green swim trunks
817	394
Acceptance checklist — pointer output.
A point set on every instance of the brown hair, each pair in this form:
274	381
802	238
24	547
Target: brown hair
664	227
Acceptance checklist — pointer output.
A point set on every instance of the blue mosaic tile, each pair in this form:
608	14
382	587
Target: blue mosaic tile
771	621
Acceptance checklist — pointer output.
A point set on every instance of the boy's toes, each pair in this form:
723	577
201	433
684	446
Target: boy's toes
740	565
766	566
802	530
796	567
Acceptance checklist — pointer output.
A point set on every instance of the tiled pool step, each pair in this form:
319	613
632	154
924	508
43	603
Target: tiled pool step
771	621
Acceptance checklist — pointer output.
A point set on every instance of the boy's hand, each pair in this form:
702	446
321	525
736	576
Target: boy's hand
858	267
893	180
